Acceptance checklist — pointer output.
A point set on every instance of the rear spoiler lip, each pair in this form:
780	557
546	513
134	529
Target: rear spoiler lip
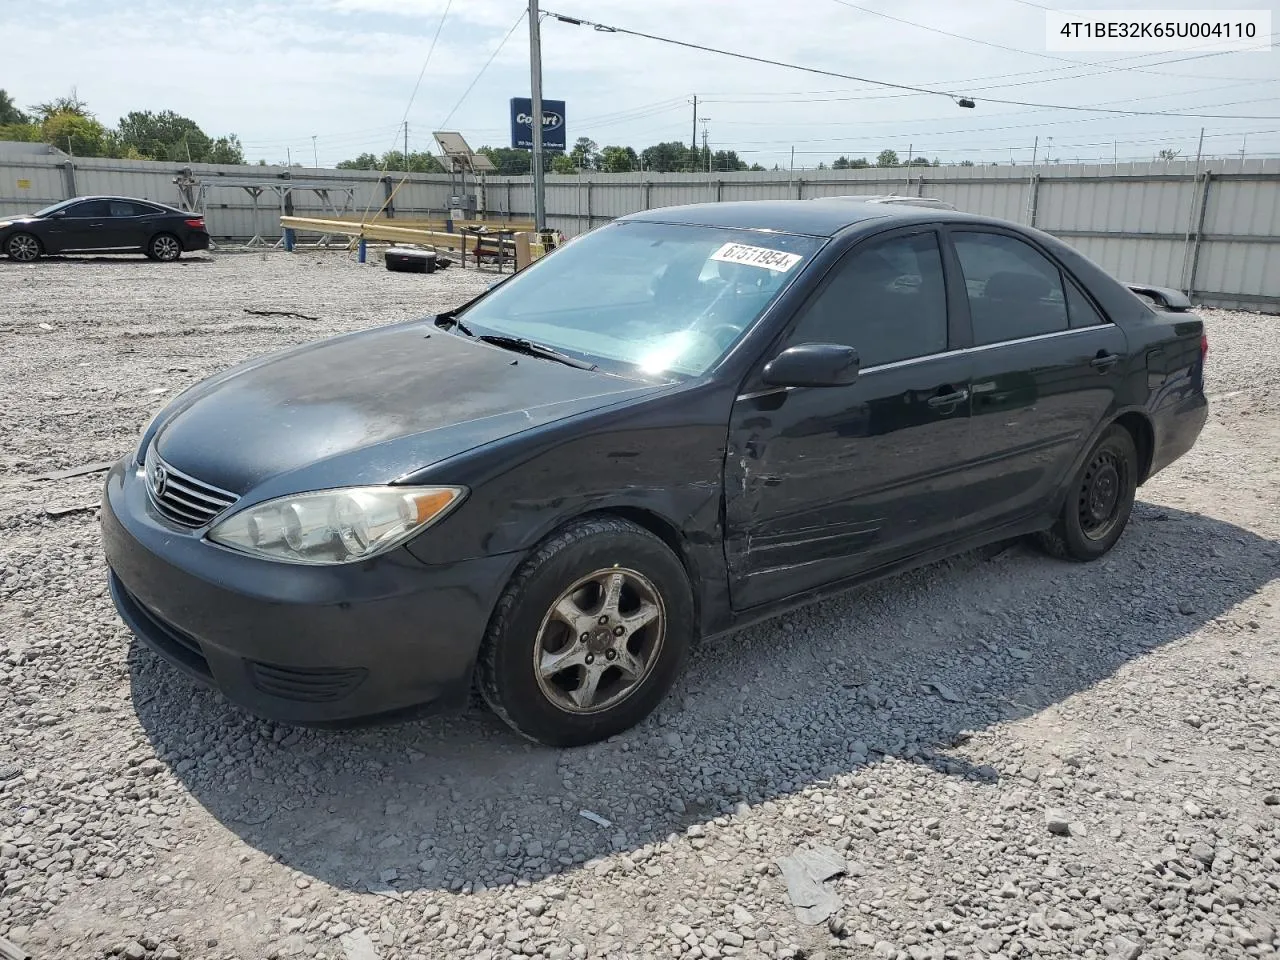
1166	297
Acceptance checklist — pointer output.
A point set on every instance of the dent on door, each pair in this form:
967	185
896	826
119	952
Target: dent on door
821	483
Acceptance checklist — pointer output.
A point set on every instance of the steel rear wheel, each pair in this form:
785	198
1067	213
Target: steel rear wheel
589	635
23	247
164	247
1099	502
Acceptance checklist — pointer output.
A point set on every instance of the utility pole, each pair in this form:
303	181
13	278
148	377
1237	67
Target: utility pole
910	149
535	119
705	147
693	141
288	153
314	152
406	150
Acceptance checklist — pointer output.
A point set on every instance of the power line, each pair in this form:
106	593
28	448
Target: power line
492	57
604	28
1107	66
430	50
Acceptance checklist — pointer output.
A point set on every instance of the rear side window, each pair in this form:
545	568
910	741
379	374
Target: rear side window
888	300
1080	311
124	208
1014	290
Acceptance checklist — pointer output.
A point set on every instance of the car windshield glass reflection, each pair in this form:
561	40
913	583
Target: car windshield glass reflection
649	298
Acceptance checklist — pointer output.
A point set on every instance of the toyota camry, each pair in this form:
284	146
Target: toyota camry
675	425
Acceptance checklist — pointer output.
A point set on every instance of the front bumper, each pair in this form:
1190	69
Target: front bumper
300	644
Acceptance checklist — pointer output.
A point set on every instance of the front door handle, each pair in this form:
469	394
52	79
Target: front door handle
1104	361
950	399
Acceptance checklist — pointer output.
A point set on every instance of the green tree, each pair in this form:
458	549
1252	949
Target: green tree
21	132
669	157
1169	154
859	164
226	150
755	167
841	163
585	154
619	160
966	163
561	163
392	161
887	158
920	162
727	160
70	104
365	161
511	162
78	135
9	112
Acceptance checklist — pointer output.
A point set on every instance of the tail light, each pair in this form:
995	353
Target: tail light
1204	345
196	223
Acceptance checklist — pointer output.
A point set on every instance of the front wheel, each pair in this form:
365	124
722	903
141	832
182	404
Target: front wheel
23	247
590	634
1099	501
164	247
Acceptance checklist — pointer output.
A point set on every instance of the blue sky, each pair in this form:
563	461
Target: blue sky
277	72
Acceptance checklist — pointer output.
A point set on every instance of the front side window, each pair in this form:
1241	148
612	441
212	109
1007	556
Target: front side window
89	208
661	300
1014	290
888	301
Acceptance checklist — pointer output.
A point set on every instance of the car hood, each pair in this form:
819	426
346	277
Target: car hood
369	408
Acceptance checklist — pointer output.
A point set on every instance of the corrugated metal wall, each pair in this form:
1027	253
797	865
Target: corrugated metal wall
1216	229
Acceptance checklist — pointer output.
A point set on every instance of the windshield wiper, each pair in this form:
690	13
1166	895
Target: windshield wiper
531	349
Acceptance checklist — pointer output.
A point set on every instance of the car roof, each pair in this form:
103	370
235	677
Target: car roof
806	217
154	203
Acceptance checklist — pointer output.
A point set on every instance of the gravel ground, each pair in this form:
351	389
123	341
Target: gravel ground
1012	757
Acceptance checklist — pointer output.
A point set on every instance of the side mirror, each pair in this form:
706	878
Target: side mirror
813	365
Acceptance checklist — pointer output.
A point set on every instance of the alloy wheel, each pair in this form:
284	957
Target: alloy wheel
599	641
165	248
24	248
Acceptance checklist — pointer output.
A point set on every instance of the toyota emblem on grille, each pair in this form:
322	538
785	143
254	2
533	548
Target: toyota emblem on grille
159	477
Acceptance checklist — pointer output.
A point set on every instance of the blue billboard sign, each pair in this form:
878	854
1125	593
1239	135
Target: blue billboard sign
552	124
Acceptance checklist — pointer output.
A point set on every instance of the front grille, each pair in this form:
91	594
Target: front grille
180	498
306	684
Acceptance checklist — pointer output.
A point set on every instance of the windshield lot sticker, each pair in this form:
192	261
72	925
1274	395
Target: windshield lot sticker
775	260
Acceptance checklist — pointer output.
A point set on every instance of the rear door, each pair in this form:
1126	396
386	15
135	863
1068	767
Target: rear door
1047	366
131	223
824	483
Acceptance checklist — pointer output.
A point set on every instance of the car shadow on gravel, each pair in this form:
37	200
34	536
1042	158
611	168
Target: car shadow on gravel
908	668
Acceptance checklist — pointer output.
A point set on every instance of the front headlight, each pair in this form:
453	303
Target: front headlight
335	526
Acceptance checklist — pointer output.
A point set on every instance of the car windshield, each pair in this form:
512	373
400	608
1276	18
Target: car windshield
655	299
55	207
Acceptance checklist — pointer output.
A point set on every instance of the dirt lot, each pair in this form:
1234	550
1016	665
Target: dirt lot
1015	756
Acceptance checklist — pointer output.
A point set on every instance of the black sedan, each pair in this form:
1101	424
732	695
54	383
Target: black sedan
680	423
103	225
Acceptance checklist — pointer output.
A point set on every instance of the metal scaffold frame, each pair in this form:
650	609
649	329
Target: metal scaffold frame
335	197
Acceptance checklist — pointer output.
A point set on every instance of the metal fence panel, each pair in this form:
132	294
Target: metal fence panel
1140	221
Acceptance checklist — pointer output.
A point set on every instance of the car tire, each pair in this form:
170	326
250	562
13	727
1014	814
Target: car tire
1099	500
164	247
23	247
564	685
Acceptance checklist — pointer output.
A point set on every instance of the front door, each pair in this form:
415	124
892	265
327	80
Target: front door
824	483
1046	369
86	225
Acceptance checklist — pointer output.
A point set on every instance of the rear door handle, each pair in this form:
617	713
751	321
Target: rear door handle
950	399
1104	361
